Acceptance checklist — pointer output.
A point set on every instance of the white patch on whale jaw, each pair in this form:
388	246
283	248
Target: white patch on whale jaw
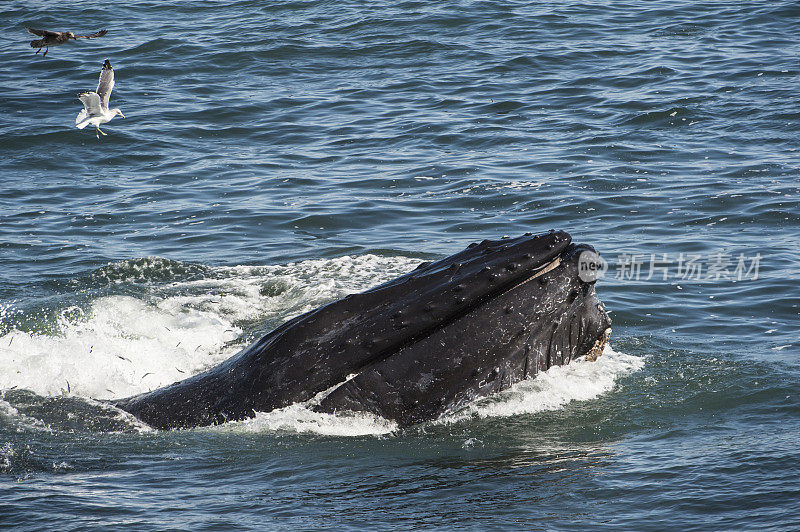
317	399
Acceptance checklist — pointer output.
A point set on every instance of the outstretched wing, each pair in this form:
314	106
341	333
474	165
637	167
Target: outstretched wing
82	120
91	103
43	33
93	35
106	83
91	109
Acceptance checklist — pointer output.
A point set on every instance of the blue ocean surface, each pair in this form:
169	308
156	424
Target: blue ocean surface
275	156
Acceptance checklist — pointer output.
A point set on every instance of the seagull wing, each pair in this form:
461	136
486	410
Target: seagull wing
106	84
43	33
91	109
93	35
91	103
82	120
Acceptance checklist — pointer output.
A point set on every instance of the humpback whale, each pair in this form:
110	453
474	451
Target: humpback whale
413	348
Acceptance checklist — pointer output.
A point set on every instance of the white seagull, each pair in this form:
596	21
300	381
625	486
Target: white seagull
95	104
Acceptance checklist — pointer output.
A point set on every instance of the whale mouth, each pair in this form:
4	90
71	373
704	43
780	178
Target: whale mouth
535	274
591	354
541	316
552	265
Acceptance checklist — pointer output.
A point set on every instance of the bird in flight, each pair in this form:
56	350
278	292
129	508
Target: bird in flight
95	104
54	38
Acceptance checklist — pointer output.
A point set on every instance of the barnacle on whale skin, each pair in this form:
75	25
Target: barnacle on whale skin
599	345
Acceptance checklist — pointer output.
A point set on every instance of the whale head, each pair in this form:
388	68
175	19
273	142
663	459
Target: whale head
413	348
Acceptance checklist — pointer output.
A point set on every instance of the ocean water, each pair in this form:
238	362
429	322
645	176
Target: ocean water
275	156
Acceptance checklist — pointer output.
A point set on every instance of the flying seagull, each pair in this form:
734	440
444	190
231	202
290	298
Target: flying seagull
54	38
95	104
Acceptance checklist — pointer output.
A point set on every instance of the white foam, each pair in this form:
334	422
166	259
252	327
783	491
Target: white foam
7	409
119	345
6	454
21	420
299	418
579	380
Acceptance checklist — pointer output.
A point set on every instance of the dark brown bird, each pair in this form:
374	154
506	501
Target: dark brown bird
54	38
